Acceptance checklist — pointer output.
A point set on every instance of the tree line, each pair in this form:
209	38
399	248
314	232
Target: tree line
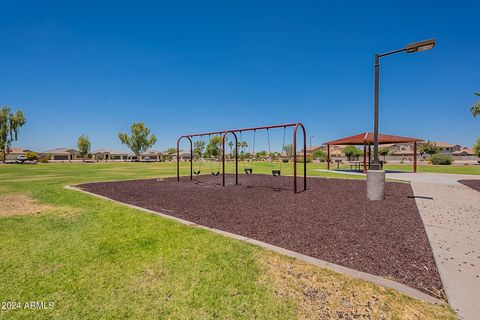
141	139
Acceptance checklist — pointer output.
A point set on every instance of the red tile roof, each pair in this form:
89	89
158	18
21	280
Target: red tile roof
367	137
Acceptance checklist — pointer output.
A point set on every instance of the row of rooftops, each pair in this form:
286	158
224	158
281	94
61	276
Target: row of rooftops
454	148
66	151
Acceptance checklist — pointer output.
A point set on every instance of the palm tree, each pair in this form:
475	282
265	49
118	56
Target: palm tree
476	107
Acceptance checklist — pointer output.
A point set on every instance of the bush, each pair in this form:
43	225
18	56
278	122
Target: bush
442	159
300	159
31	156
44	158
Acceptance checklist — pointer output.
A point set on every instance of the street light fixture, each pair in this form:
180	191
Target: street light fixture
411	48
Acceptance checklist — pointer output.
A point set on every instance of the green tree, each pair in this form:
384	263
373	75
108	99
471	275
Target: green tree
352	152
171	151
31	156
319	154
10	124
261	154
214	147
476	148
83	145
429	148
140	139
476	107
198	147
384	152
288	149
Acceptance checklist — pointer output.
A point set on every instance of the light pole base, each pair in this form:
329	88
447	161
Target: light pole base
376	184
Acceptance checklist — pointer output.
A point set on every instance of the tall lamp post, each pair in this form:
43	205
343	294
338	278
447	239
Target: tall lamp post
411	48
376	178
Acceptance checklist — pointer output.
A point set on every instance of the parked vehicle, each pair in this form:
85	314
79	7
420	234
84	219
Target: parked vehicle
21	158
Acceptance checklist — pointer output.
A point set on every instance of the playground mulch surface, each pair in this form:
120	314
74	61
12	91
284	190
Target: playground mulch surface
474	184
332	220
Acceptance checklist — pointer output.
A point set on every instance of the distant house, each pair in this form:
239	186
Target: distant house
399	149
313	149
184	156
62	154
14	152
335	150
108	154
406	149
464	151
153	155
448	148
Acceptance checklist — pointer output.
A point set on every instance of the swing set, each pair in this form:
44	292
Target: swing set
247	167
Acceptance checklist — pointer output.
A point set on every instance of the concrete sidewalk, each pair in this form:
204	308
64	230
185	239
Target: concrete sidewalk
451	214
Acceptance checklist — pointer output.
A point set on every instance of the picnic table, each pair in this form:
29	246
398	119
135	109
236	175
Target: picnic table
359	164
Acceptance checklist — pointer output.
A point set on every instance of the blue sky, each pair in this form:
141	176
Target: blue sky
187	66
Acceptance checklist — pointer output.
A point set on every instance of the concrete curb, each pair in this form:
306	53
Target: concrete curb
310	260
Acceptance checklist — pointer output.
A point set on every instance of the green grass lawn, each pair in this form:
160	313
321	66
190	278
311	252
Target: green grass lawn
96	259
470	169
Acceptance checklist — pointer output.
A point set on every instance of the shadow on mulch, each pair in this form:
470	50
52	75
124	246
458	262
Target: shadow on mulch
474	184
332	220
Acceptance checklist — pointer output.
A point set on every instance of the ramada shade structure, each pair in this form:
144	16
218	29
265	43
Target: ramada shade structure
366	138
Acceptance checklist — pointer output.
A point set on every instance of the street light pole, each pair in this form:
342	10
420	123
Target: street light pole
411	48
311	141
375	176
376	162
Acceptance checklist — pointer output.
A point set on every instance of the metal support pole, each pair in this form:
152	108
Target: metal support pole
295	157
376	161
178	157
223	156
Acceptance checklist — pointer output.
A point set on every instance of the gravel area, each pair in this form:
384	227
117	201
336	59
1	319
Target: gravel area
331	221
474	184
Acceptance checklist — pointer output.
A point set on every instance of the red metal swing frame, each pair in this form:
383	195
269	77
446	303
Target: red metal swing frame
224	133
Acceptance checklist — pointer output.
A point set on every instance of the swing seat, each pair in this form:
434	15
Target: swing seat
276	173
196	172
216	173
248	170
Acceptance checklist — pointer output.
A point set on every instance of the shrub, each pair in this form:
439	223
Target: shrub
44	158
442	159
300	159
31	156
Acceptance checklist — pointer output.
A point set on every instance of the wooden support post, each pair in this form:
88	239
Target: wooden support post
364	157
328	157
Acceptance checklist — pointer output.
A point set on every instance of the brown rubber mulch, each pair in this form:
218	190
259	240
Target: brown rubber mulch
474	184
331	221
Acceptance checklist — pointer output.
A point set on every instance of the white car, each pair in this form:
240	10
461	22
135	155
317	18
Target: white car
21	158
